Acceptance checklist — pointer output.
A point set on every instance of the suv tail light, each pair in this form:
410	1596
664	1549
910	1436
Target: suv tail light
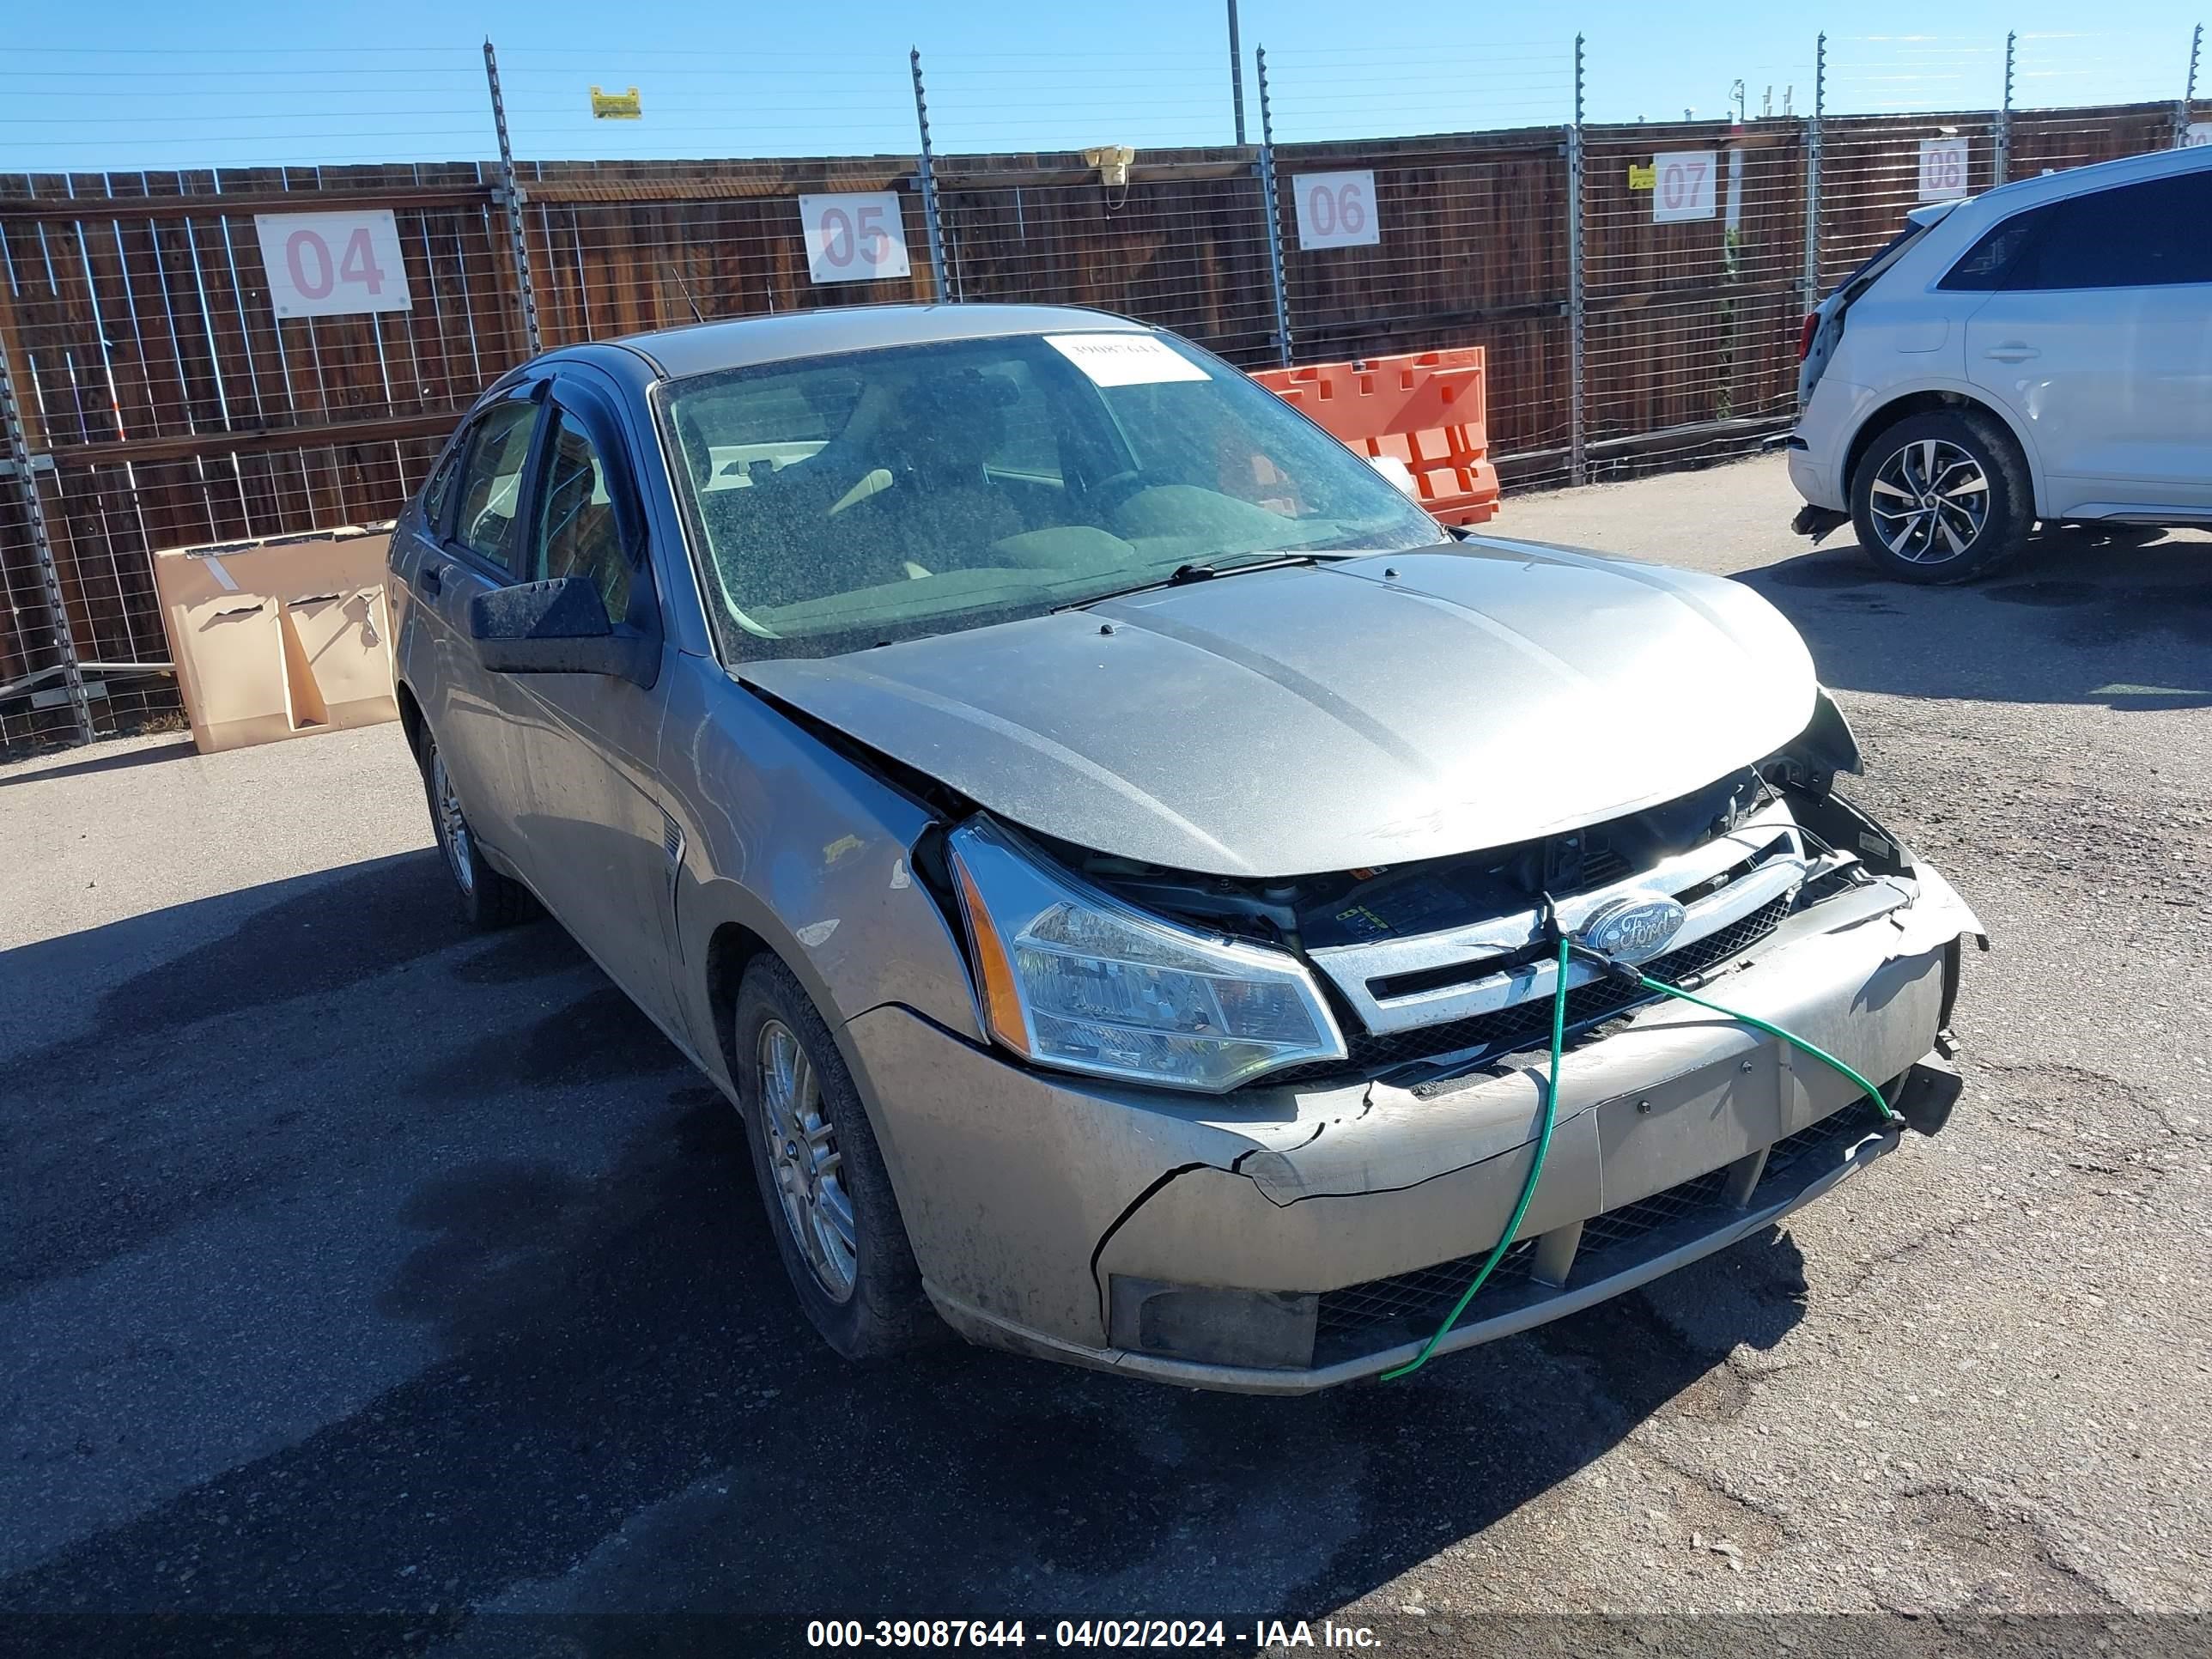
1806	335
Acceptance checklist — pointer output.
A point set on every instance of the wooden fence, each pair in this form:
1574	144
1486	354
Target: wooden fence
164	403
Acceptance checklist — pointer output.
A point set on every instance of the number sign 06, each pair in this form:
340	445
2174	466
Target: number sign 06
1336	209
1683	187
329	264
855	236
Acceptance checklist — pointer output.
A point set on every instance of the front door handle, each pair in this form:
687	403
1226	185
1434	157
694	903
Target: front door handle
432	580
2012	351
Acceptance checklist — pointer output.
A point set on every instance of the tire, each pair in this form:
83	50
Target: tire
1942	497
822	1178
487	900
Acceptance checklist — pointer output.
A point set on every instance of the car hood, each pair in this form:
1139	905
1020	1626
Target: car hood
1316	718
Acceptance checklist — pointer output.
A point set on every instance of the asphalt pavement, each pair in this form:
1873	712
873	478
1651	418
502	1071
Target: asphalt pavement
350	1263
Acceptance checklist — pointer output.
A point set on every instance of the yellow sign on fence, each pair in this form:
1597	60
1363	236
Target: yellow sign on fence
615	106
1638	178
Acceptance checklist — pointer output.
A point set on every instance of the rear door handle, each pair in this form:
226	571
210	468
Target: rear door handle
2012	351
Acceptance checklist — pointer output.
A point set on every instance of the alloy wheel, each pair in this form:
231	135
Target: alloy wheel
1929	501
802	1149
452	827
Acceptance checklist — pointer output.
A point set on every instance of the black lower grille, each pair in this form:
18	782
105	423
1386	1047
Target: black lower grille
1383	1312
1527	1024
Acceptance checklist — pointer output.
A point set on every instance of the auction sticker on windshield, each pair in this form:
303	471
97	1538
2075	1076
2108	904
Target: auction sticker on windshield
1125	359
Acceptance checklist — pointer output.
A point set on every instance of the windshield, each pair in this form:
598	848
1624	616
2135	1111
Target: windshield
840	502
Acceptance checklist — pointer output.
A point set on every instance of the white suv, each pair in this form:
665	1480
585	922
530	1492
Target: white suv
2042	352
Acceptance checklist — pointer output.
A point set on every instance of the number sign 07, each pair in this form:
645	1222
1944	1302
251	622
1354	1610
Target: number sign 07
1682	187
1336	209
855	236
1942	169
329	264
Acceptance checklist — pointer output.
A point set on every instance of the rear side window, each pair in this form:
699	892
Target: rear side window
1989	260
491	482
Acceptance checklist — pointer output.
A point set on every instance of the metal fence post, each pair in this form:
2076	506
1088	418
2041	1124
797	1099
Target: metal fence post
928	169
1813	174
1274	214
1577	451
49	578
2188	105
1235	74
513	198
2003	161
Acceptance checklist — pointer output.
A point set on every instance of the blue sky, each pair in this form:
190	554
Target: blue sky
251	82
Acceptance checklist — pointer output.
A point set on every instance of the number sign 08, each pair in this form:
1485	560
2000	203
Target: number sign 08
1336	209
1942	169
329	264
855	236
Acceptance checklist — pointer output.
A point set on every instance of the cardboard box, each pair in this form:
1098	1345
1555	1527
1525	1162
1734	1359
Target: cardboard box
279	637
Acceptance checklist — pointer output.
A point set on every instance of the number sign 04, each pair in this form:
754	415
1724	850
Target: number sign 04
1942	169
1336	209
855	236
329	264
1683	187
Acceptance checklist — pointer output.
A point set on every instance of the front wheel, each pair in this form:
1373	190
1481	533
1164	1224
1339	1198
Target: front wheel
1942	497
829	1197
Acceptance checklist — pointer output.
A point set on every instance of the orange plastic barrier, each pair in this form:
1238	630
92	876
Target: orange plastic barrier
1424	409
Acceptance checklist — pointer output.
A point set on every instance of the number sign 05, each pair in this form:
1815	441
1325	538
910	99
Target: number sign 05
1942	169
329	264
855	236
1683	188
1336	209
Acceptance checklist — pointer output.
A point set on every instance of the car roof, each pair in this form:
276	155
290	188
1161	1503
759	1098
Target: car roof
742	341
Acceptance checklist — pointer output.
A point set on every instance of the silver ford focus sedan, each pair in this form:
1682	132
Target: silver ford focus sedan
1105	839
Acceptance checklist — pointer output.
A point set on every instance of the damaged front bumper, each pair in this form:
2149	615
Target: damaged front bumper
1280	1240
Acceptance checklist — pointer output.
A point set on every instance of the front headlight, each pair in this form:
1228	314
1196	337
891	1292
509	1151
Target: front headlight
1072	977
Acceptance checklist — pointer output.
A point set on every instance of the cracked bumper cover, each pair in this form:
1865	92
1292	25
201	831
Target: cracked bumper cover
1027	1195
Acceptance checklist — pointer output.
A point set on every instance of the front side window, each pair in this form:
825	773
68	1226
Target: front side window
840	502
491	482
440	486
577	532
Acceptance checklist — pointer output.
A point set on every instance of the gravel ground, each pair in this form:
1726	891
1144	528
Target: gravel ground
353	1263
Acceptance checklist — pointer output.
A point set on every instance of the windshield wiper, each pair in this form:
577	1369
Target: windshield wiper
1206	570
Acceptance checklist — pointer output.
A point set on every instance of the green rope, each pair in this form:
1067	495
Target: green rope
1551	1118
1798	1042
1527	1187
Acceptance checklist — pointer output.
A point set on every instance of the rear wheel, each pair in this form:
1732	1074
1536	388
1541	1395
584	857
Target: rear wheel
1942	497
487	899
837	1226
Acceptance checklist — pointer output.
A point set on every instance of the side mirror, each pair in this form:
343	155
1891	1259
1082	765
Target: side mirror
557	627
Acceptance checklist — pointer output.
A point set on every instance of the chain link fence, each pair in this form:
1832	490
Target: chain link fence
1637	286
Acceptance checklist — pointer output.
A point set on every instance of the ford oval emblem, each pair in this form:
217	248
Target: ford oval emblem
1634	927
